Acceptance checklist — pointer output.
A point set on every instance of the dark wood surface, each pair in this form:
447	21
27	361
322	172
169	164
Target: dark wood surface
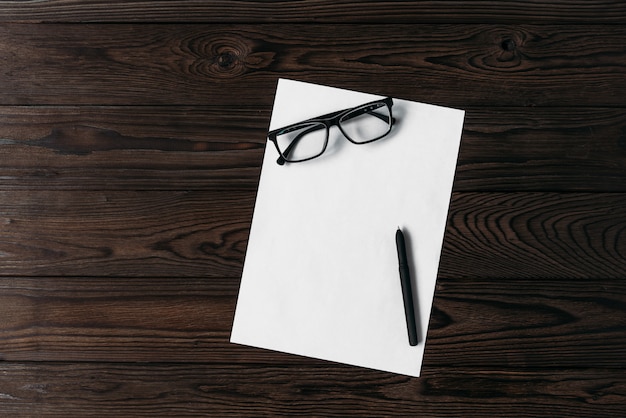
131	139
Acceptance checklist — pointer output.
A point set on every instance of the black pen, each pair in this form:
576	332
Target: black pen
407	293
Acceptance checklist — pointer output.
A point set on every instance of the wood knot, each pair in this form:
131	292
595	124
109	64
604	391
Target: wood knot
502	50
221	54
234	55
508	54
226	60
508	45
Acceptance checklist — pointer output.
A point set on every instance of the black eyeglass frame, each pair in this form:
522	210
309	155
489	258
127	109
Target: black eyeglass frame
329	120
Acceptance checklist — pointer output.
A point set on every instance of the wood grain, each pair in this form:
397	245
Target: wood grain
204	234
131	139
519	323
127	147
337	11
458	66
119	319
535	235
70	390
202	147
512	324
124	233
543	149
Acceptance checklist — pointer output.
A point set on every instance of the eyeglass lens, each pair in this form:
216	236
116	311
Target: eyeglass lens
367	123
303	142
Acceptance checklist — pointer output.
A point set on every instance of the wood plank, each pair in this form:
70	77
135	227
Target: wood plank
538	323
201	234
485	324
129	390
127	147
459	65
204	234
337	11
201	147
119	319
531	235
543	149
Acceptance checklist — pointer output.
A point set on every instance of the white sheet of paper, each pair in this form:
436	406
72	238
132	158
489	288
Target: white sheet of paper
320	277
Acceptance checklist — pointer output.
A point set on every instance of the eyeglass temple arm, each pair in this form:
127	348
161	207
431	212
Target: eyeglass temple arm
372	112
353	114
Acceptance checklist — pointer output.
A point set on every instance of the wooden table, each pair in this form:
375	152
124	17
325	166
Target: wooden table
131	138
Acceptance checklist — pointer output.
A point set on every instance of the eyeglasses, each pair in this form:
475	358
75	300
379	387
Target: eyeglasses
308	139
